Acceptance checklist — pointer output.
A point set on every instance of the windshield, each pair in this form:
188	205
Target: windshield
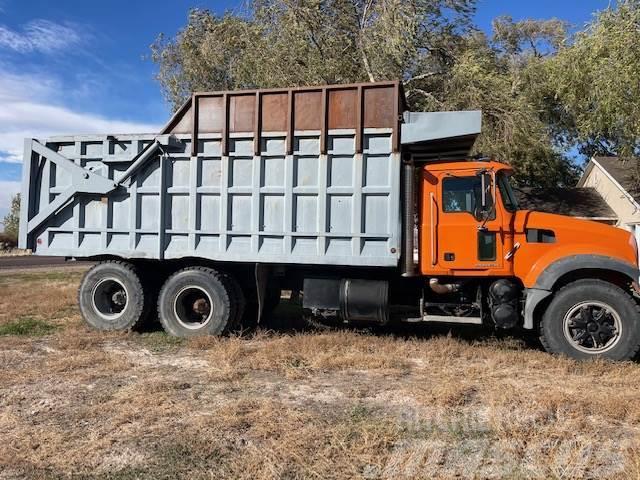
508	197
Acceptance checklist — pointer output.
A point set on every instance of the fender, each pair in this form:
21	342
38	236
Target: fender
552	273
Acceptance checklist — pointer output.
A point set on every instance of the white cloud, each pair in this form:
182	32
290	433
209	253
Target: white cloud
40	36
7	191
20	120
15	86
36	103
29	109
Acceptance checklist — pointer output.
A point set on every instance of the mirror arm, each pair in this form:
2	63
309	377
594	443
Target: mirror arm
494	191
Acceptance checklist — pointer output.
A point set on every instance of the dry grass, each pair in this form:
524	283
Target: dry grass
280	404
14	252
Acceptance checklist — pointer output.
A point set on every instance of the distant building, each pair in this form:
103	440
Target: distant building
577	202
618	183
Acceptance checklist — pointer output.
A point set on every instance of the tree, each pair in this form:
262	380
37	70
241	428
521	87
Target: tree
208	54
500	76
277	43
537	37
431	45
595	83
12	219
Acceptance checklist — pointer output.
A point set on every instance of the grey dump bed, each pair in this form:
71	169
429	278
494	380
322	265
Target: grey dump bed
306	176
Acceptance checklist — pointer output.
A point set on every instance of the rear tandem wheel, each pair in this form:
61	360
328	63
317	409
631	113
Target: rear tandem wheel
199	301
112	296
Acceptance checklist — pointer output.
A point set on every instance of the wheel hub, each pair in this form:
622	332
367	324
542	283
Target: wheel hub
109	298
193	307
201	306
592	327
119	297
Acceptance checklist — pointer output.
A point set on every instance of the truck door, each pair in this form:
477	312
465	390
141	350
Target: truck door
468	230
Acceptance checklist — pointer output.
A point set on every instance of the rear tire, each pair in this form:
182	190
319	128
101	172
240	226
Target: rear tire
111	296
237	299
591	319
197	301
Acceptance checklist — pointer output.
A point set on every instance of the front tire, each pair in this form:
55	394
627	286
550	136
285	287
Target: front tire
197	301
591	319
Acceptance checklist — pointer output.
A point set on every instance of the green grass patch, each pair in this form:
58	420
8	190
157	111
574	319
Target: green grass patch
360	413
28	327
65	312
38	276
160	341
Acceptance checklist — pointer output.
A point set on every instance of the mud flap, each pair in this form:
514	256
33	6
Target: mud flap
533	297
262	276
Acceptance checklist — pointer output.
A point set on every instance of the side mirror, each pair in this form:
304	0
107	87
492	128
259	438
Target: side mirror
487	204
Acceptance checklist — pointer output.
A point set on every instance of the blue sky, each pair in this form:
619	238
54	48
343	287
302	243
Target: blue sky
79	66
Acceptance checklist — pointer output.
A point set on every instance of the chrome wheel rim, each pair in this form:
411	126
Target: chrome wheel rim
109	298
193	307
592	327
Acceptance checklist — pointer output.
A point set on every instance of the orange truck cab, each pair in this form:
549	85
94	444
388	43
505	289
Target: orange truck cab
536	266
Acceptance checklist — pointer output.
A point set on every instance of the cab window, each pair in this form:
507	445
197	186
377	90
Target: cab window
463	194
460	194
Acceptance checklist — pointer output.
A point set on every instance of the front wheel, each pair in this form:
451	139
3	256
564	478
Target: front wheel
589	319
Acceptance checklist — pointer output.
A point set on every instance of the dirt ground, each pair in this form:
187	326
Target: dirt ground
280	403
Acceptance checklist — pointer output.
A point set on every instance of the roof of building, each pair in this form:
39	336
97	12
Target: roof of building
625	172
576	202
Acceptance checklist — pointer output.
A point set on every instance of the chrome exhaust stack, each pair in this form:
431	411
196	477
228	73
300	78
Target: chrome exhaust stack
408	218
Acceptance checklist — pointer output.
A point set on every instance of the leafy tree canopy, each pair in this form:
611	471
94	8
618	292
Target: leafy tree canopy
12	219
279	43
542	91
596	83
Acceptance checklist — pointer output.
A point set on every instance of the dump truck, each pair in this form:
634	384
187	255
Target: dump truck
373	213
